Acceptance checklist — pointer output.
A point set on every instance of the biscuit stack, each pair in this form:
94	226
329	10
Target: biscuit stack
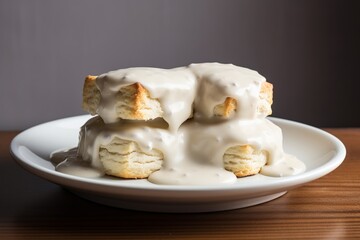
161	99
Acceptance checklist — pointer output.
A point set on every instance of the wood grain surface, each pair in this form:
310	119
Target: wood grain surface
328	208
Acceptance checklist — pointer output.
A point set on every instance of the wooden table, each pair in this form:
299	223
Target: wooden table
328	208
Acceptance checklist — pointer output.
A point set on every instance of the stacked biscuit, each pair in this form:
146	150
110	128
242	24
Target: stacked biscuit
166	99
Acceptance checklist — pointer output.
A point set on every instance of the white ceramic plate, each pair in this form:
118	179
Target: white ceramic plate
320	151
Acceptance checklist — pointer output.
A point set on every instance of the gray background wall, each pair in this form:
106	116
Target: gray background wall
309	50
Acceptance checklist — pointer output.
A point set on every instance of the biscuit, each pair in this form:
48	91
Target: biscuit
91	95
133	101
229	106
122	158
244	160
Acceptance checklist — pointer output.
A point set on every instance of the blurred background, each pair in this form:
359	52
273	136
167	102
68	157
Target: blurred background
309	50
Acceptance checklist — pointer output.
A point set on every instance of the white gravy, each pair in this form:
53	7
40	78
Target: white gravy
193	148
